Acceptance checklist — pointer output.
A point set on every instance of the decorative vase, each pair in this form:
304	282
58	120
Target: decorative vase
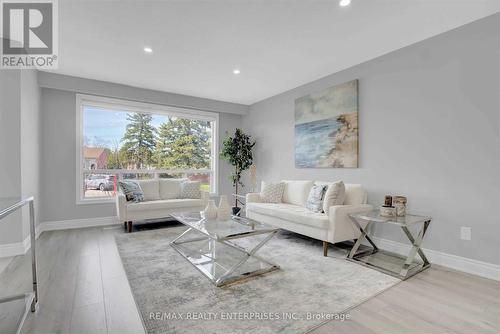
210	211
400	204
224	210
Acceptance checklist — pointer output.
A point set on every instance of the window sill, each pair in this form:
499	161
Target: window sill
113	200
95	201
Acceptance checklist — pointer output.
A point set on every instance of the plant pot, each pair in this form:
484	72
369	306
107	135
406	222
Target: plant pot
236	210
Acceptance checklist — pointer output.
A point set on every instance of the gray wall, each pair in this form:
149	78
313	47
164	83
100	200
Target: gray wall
58	161
30	143
102	88
19	147
10	150
429	129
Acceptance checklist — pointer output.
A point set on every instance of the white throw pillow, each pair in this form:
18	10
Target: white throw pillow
296	192
335	195
170	188
272	192
190	189
150	188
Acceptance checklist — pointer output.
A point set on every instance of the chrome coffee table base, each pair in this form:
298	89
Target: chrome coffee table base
221	258
390	263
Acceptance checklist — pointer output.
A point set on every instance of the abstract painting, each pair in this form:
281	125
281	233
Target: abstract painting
326	128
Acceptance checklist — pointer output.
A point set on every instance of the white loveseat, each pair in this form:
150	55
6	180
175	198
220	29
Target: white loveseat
161	199
292	214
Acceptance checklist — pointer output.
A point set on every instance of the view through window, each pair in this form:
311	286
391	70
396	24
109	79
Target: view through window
118	143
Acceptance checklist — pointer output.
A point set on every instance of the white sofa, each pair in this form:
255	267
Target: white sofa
292	214
161	199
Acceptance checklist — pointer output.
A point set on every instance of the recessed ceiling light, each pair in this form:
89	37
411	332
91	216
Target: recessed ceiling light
147	49
344	3
236	71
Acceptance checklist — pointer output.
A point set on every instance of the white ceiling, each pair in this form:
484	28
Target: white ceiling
278	45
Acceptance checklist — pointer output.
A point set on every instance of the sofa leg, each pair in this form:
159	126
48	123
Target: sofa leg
325	248
129	226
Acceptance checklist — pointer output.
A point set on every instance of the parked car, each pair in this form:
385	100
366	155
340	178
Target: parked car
100	182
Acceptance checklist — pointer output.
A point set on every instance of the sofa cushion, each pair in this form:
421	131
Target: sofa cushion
291	212
335	195
164	204
272	192
296	192
150	188
354	194
170	188
190	189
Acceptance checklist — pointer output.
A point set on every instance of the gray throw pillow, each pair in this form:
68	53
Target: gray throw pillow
335	195
132	191
315	198
190	189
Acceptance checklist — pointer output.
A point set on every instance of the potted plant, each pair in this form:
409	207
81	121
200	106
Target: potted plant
237	151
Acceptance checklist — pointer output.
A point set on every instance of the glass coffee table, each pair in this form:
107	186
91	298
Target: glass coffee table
224	251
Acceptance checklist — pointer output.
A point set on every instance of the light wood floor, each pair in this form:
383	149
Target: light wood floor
84	290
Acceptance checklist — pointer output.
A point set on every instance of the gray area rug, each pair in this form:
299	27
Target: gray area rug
301	295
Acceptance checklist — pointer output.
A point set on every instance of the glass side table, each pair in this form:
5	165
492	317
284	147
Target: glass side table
388	262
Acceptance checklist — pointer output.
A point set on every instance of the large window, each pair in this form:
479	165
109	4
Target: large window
119	140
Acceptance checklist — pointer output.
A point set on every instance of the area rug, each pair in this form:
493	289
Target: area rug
309	289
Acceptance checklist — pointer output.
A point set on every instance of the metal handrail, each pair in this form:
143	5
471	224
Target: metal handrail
7	211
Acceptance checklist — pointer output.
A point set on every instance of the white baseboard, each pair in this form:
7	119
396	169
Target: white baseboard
20	248
78	223
475	267
13	249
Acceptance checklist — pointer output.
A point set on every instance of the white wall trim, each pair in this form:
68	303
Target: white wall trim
20	248
78	223
471	266
13	249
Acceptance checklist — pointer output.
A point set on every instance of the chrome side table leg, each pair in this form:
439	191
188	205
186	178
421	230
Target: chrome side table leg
364	235
415	248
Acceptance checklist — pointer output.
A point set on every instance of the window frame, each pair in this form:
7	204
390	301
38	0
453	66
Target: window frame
145	108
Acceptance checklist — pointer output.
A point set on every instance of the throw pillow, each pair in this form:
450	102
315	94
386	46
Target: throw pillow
132	191
335	195
316	197
150	189
171	188
190	189
272	192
